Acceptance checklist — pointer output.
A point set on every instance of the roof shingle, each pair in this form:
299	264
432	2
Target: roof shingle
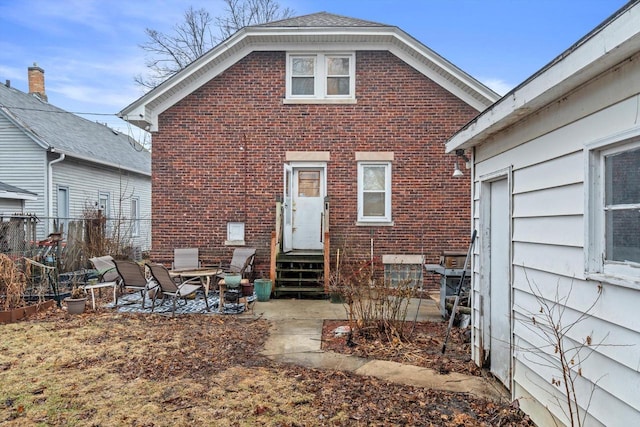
71	134
322	19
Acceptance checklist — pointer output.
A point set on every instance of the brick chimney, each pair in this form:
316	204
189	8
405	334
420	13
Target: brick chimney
36	82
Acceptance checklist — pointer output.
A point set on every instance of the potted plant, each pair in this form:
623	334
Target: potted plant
76	301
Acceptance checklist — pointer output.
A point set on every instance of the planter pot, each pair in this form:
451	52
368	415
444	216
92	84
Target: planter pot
263	289
16	314
232	280
75	305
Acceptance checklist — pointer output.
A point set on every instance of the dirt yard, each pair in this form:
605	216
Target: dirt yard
108	369
423	347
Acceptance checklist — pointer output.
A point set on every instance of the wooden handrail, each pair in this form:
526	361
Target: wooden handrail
326	246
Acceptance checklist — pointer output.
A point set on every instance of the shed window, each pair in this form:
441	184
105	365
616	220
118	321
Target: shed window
614	206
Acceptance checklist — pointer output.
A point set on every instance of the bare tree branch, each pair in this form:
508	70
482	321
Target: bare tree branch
167	54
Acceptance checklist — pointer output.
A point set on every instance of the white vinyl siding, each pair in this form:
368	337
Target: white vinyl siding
552	219
16	148
10	206
86	183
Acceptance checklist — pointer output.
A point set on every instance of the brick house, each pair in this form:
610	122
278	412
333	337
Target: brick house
307	135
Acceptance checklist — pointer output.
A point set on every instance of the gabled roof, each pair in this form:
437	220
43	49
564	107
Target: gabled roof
10	192
610	43
62	132
322	19
318	31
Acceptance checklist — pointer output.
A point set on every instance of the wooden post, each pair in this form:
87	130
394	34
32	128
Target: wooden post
272	269
276	237
327	261
327	246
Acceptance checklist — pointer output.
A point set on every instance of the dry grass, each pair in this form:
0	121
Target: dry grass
109	369
130	370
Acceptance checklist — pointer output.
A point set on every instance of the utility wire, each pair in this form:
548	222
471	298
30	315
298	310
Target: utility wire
58	111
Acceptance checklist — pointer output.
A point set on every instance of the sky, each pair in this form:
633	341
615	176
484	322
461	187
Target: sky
90	49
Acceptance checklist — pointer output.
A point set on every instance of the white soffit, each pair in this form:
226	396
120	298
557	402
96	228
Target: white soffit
606	46
144	112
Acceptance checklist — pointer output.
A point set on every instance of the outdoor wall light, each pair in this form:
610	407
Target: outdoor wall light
456	169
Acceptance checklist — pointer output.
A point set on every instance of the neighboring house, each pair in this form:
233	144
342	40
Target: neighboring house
556	196
71	164
16	229
12	200
307	135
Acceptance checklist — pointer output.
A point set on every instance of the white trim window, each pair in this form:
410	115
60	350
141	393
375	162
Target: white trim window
374	192
135	217
614	229
324	77
235	234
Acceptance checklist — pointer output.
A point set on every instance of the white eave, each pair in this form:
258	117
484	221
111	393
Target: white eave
144	112
17	196
614	41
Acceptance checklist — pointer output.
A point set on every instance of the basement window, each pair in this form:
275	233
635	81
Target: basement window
403	271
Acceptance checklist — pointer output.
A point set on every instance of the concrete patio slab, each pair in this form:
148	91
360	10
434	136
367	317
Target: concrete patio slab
296	333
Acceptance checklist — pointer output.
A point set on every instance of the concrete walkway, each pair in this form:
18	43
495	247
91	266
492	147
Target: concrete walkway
296	333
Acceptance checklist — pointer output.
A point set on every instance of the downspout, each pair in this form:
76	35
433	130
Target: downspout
50	190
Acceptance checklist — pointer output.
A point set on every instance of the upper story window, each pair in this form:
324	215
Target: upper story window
320	77
614	225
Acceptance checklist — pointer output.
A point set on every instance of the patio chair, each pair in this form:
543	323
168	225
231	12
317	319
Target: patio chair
241	263
105	268
133	277
169	288
185	259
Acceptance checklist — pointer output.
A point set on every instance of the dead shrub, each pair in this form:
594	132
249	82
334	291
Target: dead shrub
12	283
376	309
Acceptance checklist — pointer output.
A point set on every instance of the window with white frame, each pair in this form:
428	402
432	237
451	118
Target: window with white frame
374	191
320	76
104	203
135	217
235	233
614	234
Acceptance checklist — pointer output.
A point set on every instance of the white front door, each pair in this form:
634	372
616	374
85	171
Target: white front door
499	283
304	207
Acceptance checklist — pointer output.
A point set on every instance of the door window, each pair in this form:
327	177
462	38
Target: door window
309	184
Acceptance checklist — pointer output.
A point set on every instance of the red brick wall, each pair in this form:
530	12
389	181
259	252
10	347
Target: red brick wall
218	157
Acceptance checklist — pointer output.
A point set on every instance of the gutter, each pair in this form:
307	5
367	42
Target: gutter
50	189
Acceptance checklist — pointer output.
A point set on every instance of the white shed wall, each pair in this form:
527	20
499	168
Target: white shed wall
545	154
10	206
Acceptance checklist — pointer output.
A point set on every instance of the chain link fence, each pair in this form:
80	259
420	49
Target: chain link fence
74	241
